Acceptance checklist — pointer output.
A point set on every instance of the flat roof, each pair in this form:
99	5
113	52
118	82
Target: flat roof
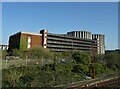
78	31
32	33
21	32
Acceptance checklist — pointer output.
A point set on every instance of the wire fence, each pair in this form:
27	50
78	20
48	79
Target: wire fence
25	62
7	63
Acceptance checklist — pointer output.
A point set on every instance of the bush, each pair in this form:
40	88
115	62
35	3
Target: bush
99	69
57	73
80	57
4	54
34	76
80	68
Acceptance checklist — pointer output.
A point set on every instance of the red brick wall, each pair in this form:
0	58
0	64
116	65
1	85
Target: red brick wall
20	41
36	40
14	41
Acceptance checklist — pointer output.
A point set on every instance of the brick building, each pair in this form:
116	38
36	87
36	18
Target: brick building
23	40
54	42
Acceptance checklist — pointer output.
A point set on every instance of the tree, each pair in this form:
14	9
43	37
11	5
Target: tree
38	52
81	58
99	58
99	69
67	55
80	68
111	59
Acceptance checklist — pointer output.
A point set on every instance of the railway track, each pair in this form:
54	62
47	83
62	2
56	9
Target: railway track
112	81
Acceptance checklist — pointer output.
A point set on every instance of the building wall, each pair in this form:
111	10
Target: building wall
30	41
75	40
100	42
23	40
14	41
80	34
66	43
44	33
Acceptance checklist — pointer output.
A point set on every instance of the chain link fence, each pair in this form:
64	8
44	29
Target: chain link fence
24	62
11	62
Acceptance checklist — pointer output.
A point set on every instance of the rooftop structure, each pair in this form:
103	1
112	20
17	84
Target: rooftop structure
100	38
80	34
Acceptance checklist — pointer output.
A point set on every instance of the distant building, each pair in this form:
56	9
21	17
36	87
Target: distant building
112	51
3	47
100	38
80	34
76	40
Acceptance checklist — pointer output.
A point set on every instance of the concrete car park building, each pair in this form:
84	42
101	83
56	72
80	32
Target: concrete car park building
100	43
57	42
76	40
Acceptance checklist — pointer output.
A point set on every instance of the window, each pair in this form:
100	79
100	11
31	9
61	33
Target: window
29	39
29	42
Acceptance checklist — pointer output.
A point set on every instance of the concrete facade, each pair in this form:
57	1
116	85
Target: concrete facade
57	42
100	38
75	40
80	34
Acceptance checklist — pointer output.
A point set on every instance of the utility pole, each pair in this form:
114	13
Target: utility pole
93	66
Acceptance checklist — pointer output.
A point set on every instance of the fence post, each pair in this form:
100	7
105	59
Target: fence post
6	62
42	60
26	60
